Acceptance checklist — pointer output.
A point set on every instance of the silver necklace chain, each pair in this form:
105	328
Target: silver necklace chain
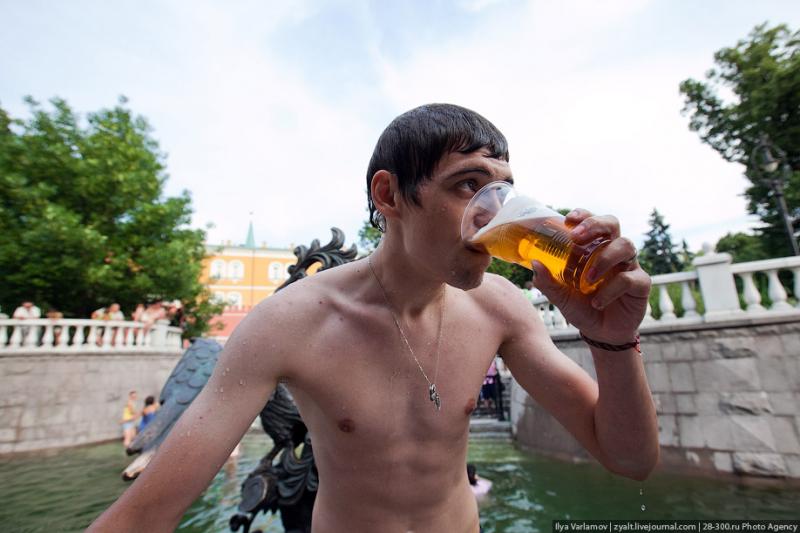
433	393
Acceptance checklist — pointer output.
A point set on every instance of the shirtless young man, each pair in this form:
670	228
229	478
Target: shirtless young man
388	460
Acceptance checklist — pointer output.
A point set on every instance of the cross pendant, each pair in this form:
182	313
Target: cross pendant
434	395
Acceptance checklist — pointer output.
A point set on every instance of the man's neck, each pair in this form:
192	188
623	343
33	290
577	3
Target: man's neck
409	289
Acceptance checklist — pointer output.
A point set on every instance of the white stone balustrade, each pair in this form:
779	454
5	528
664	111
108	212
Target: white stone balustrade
67	335
775	290
714	278
551	315
687	281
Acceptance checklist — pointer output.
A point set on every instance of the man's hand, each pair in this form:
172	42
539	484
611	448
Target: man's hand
614	311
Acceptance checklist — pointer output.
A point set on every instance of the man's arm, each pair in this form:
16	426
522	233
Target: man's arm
202	439
614	418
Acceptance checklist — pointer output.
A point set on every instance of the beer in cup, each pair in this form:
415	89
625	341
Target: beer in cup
519	229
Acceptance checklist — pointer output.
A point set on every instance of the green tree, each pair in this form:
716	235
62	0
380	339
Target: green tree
762	73
369	237
685	256
513	272
83	218
742	247
657	255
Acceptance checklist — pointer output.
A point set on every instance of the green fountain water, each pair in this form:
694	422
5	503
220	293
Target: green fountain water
65	490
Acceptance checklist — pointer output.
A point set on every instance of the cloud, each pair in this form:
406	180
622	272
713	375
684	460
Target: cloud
584	130
477	5
275	107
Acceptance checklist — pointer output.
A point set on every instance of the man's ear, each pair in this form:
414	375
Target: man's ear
386	193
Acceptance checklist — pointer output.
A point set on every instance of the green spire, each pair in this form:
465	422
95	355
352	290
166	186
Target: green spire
251	240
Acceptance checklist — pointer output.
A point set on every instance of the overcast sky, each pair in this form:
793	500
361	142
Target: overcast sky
274	107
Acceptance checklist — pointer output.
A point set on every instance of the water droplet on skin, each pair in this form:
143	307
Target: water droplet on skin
221	389
241	382
641	492
227	369
643	507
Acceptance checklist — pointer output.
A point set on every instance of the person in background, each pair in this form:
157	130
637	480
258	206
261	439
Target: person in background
136	316
138	312
149	412
55	315
489	387
175	314
112	312
480	486
152	314
531	292
129	416
27	311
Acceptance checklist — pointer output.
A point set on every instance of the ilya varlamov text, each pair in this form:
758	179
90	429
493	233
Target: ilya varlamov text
682	526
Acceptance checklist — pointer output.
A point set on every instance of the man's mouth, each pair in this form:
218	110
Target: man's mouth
476	248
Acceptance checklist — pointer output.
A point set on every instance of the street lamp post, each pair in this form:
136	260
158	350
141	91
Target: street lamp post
765	164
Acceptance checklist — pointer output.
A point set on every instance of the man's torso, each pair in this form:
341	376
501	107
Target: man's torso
387	459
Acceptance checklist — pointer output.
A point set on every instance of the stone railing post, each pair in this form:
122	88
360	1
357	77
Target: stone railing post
716	284
159	334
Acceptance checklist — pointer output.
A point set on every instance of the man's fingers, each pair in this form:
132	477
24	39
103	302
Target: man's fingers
593	227
635	283
556	292
620	254
542	278
576	216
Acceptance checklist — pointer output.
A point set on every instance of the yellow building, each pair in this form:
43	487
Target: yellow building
243	275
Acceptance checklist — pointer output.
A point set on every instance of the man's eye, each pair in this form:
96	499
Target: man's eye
470	185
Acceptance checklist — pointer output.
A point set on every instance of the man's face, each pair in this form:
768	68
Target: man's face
432	232
27	305
113	308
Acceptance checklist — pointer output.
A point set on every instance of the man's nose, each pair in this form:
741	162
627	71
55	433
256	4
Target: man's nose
482	218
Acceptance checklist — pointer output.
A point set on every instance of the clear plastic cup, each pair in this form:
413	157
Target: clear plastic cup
519	229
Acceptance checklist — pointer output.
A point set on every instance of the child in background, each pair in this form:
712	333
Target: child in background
128	421
149	412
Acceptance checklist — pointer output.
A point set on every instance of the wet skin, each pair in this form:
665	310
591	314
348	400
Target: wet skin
387	460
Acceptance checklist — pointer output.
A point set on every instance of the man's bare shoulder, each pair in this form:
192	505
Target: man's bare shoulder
503	304
304	303
498	295
284	327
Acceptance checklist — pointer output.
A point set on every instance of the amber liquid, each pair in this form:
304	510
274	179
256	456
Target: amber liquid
545	240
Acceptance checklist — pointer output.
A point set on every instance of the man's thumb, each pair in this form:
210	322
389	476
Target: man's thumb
545	282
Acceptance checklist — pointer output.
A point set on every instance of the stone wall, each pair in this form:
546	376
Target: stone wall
728	398
67	399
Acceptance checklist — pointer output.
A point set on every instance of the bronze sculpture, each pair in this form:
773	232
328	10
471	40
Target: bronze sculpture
283	480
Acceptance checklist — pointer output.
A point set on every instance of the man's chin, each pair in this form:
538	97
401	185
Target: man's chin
467	280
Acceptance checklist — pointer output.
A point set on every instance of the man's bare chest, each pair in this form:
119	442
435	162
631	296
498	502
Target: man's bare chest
365	379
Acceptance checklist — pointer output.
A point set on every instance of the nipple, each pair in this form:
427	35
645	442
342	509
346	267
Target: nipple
346	425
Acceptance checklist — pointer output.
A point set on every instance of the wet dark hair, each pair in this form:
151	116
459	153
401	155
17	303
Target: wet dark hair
413	143
471	474
150	400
